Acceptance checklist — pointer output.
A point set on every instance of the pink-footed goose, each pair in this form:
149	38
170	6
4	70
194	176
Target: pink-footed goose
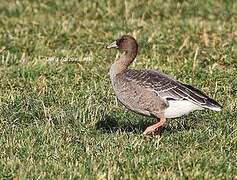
150	92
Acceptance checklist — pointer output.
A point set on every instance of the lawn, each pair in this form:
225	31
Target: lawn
59	118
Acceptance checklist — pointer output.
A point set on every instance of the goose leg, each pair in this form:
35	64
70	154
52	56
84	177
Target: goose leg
155	127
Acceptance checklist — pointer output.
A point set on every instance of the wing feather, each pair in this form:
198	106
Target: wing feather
168	88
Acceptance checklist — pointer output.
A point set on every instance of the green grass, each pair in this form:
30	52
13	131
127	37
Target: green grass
61	120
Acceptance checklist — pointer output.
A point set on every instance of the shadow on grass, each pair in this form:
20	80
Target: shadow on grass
109	124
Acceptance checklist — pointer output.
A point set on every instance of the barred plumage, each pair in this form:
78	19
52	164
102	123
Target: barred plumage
150	92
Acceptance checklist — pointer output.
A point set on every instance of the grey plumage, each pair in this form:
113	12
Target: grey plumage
152	93
169	88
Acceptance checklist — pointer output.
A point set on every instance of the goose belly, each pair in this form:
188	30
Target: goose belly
180	108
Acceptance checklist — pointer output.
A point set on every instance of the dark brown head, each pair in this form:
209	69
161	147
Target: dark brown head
125	44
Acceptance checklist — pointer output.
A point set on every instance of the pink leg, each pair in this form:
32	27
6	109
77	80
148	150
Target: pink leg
155	127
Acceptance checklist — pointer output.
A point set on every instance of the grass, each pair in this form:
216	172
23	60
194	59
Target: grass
61	120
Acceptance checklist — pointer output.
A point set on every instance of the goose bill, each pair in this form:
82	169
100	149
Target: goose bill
112	45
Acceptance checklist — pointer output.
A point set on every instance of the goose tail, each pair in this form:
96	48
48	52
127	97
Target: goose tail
213	105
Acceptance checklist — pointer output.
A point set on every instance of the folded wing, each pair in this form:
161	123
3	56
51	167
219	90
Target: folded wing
170	89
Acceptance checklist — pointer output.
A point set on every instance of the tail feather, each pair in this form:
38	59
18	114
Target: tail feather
213	105
203	99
